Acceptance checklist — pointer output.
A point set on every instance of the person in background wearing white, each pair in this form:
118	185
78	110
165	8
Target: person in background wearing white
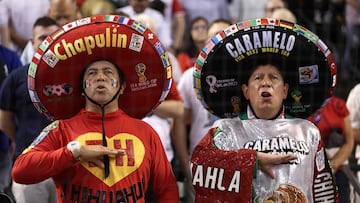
195	115
137	7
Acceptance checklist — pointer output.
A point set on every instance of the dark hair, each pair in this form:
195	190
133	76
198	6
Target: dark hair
158	5
120	73
190	47
45	21
264	59
2	72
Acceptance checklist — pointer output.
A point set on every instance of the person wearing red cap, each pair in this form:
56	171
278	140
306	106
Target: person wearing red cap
101	151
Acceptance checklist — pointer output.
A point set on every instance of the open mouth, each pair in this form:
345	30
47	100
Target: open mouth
100	87
265	94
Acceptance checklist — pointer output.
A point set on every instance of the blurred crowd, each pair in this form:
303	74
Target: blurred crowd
183	28
334	21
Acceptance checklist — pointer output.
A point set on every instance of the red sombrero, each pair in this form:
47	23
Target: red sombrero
54	73
227	59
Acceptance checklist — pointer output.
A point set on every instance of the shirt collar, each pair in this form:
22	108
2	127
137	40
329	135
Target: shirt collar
251	115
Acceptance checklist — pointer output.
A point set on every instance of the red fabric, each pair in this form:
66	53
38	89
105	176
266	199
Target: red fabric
177	8
79	3
324	184
144	163
61	102
243	160
185	61
329	117
173	93
240	162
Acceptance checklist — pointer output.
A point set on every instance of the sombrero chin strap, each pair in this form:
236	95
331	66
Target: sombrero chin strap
104	142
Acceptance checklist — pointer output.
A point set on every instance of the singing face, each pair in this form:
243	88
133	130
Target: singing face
101	81
266	91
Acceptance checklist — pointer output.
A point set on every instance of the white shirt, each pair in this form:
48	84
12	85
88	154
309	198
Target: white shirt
27	54
162	127
353	104
163	31
241	10
201	119
23	14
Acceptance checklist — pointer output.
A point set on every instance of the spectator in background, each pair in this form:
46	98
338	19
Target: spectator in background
21	121
272	5
350	63
353	104
17	20
9	61
137	7
174	15
97	7
241	10
2	76
209	9
4	28
150	23
5	157
62	11
304	11
197	38
161	118
333	121
196	117
284	14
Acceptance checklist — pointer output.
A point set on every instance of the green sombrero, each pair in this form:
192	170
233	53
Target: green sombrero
54	73
225	62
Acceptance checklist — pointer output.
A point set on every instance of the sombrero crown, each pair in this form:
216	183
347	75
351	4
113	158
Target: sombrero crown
227	60
54	73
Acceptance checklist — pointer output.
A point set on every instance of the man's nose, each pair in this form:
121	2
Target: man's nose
100	76
265	82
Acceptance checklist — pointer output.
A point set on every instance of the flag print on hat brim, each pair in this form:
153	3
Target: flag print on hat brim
54	73
305	61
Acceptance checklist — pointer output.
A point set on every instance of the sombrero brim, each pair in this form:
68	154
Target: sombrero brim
226	61
54	73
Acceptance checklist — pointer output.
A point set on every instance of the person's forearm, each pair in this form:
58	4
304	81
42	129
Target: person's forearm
342	155
5	36
178	31
356	133
345	150
7	124
49	163
169	109
179	140
17	39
